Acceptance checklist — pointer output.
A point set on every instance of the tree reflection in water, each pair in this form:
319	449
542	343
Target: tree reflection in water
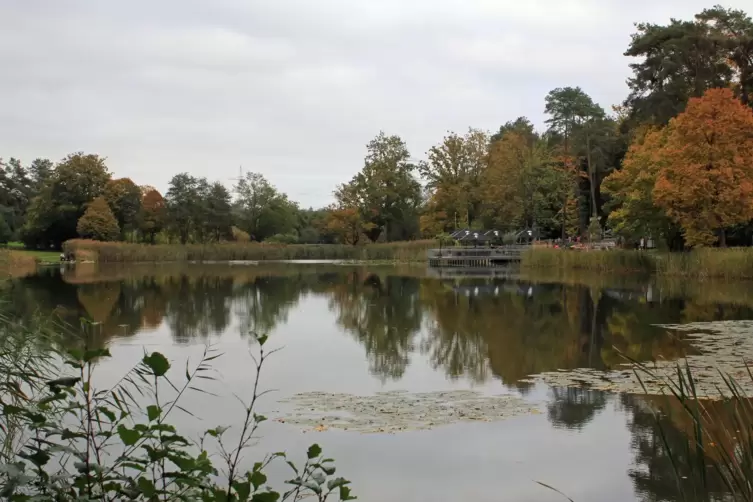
473	329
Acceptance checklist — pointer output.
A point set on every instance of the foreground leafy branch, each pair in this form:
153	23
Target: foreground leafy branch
66	440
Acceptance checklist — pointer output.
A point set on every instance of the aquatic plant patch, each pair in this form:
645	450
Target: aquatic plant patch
397	411
724	348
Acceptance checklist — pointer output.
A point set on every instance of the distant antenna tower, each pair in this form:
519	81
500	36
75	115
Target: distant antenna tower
240	174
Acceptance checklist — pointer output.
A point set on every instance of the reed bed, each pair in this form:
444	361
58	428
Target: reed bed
16	264
705	263
120	252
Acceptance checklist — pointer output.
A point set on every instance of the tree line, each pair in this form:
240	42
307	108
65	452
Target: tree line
45	204
673	162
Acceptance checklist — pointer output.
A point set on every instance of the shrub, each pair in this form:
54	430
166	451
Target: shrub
282	239
98	222
65	439
239	235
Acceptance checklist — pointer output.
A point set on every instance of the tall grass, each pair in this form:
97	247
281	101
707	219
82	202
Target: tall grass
595	261
16	264
86	250
729	263
719	436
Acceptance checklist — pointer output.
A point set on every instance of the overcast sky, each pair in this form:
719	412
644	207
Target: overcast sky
294	89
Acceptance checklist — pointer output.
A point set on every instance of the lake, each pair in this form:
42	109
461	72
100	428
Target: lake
364	330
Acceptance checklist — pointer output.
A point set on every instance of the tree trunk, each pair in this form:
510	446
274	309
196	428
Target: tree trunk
723	238
591	176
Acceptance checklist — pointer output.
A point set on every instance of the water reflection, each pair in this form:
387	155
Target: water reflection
474	329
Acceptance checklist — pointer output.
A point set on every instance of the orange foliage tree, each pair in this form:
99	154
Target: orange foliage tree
347	224
153	213
706	180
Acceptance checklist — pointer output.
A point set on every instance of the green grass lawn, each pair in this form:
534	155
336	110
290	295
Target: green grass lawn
42	256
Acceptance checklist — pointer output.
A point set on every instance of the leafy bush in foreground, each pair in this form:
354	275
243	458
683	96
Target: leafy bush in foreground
64	439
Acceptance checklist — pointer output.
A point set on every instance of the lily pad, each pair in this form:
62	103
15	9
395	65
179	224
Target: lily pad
398	411
723	348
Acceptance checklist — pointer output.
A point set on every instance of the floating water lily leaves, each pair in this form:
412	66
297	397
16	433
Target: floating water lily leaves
398	411
723	348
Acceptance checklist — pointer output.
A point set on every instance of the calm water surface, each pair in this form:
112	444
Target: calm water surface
363	330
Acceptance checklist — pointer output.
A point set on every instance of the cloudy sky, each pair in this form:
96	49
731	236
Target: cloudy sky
293	89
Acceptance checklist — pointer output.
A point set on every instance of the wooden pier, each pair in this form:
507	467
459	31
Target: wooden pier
479	257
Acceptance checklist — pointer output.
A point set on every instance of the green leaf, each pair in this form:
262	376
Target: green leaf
265	497
146	486
153	412
9	409
242	489
129	436
314	451
313	486
257	479
157	363
38	458
90	355
262	339
106	412
345	493
337	483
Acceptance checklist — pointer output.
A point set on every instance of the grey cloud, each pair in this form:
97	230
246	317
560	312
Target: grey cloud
293	88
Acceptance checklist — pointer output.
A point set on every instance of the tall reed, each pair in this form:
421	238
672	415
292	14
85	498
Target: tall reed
86	250
15	264
704	263
719	436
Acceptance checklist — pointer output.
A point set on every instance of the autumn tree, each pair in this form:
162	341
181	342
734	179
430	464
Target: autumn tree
706	180
124	199
519	183
453	175
633	213
98	222
153	213
346	223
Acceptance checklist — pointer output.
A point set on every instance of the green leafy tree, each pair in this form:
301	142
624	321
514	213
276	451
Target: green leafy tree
262	210
53	214
40	171
5	232
153	213
16	192
587	136
454	175
98	222
732	30
183	205
385	191
219	218
677	61
124	198
521	126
